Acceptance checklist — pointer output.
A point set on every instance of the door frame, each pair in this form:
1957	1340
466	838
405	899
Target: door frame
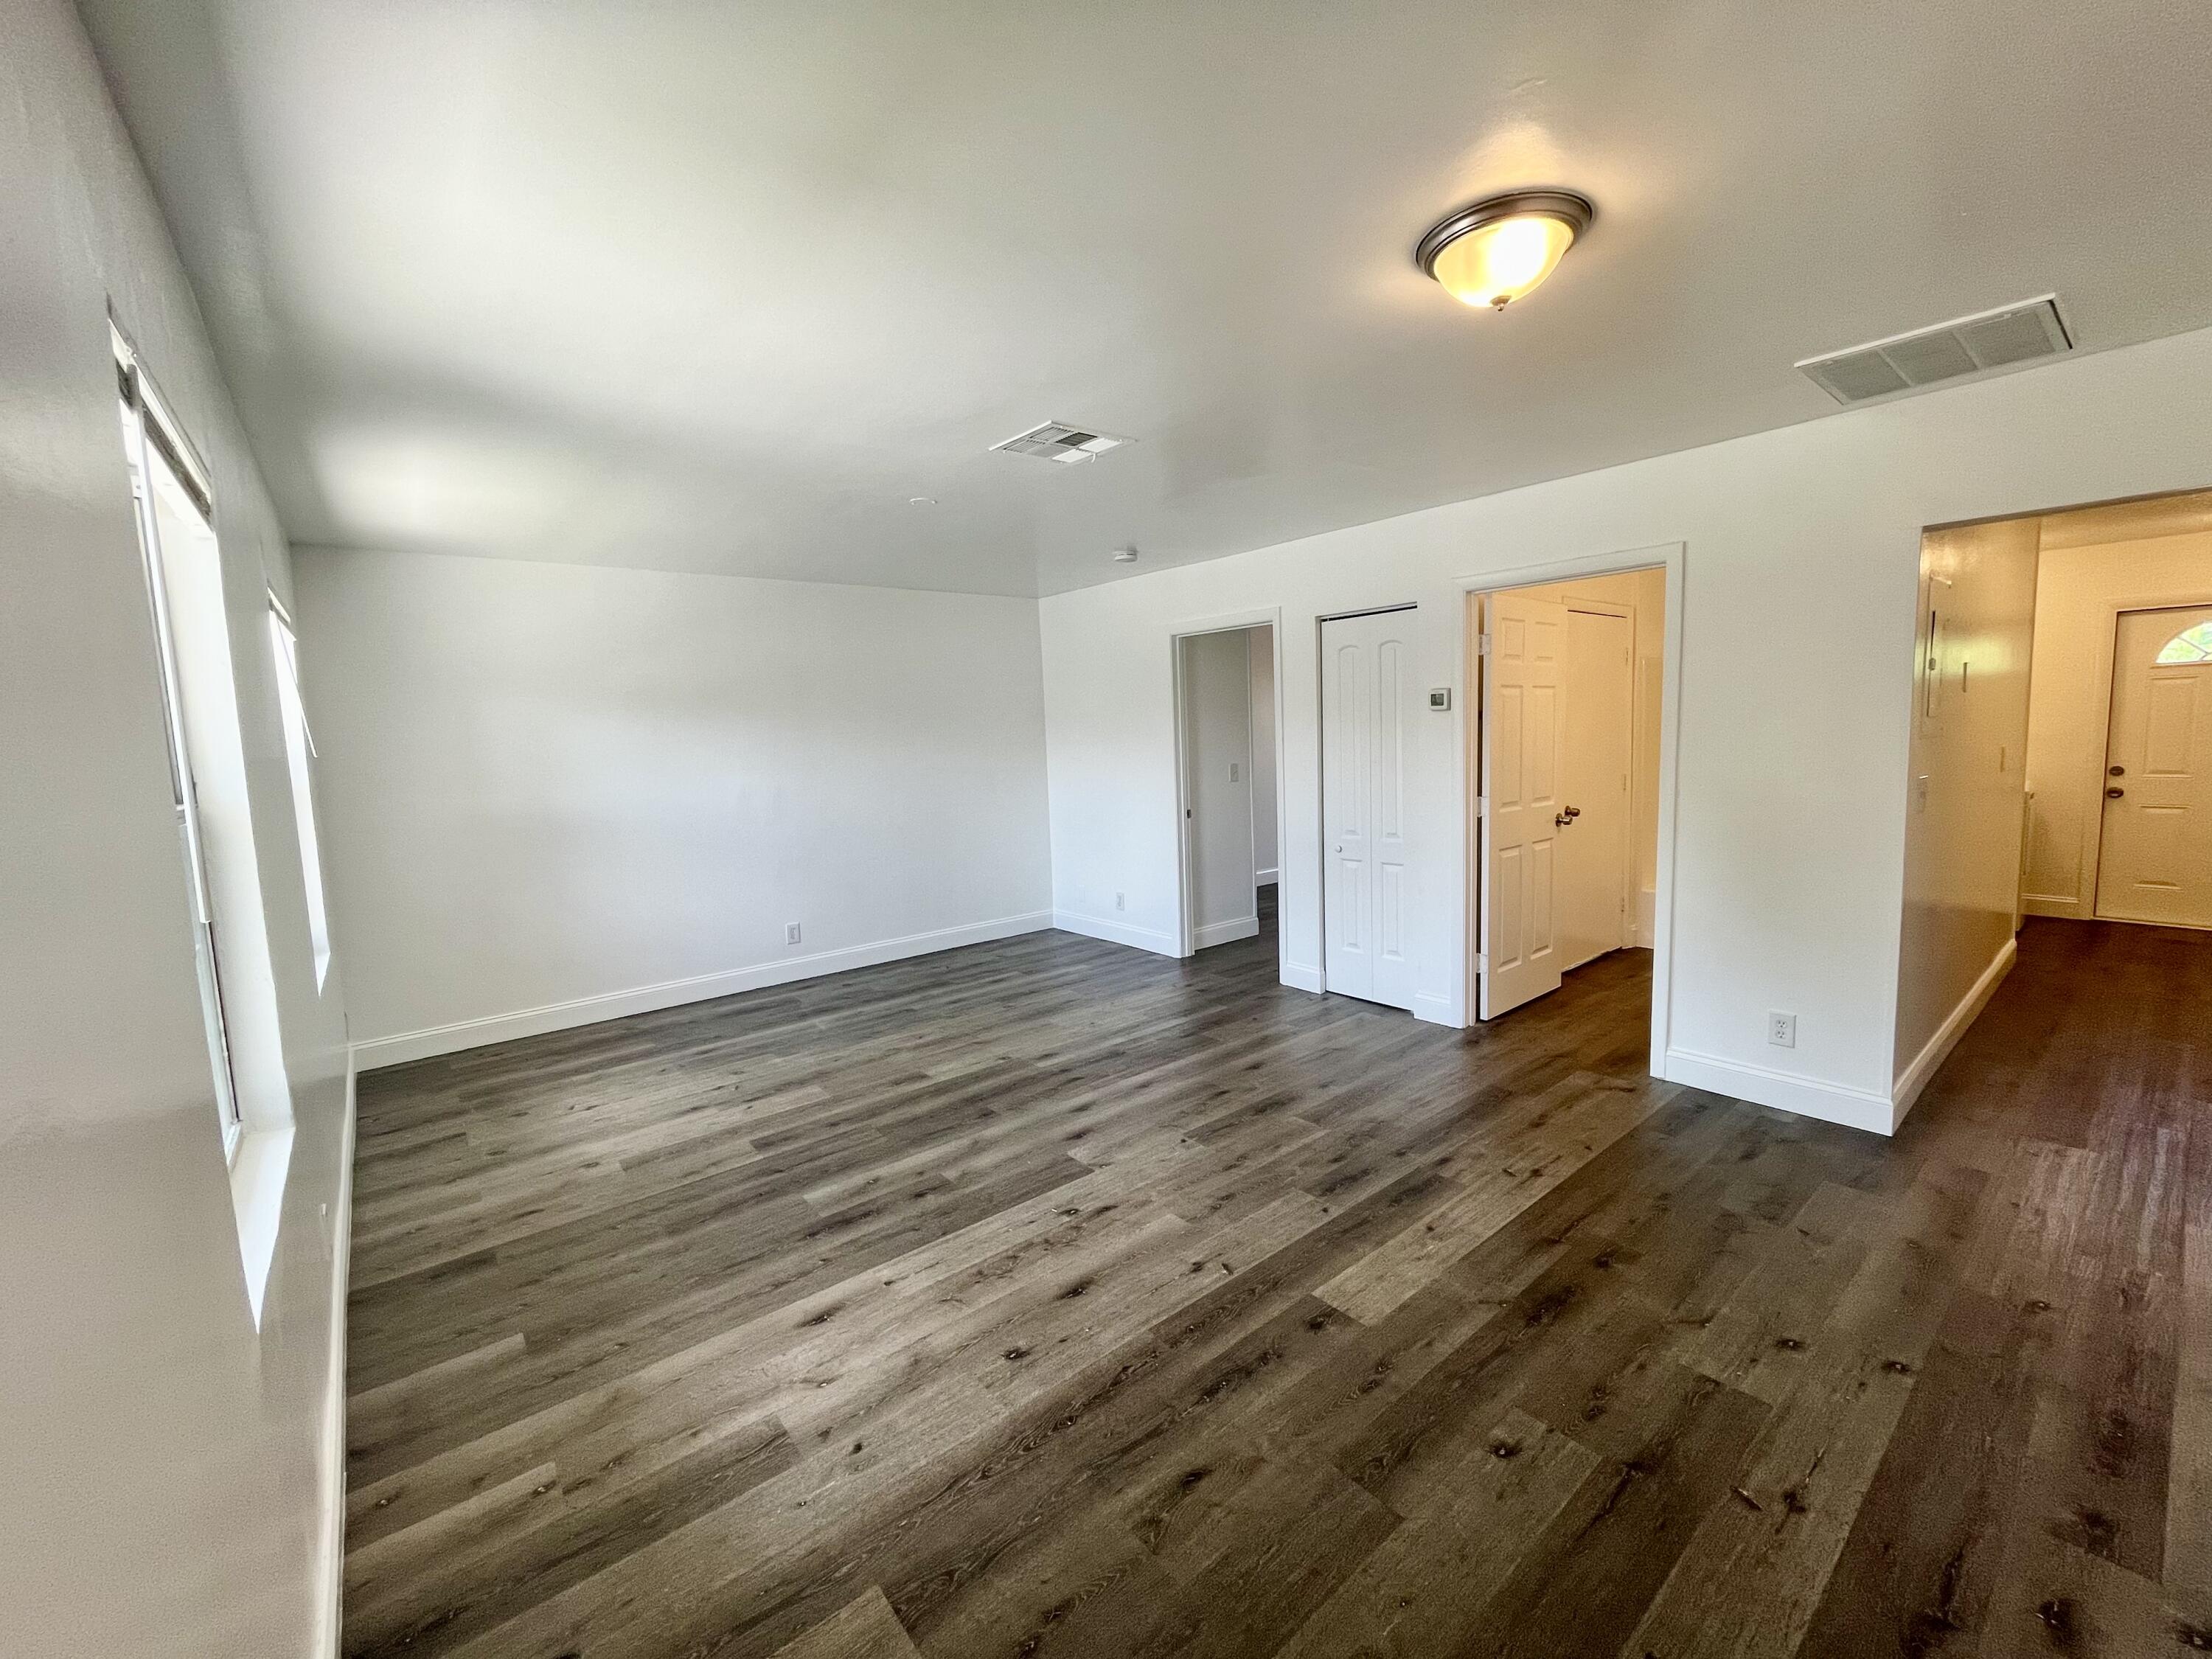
1271	618
1673	558
2108	666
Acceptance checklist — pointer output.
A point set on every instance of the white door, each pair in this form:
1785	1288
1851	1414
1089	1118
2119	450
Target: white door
2156	860
1522	672
1367	693
1600	708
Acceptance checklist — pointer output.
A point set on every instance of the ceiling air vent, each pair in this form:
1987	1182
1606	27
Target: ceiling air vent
1966	345
1053	442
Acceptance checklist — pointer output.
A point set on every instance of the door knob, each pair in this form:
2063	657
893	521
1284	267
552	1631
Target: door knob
2114	793
2118	771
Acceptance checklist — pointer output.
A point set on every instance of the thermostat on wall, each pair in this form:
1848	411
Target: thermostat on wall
1441	697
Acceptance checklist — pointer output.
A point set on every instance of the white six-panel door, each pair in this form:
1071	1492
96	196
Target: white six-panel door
1523	674
2155	862
1367	702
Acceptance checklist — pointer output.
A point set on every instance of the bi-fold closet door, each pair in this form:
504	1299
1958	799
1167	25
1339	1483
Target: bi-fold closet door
1367	699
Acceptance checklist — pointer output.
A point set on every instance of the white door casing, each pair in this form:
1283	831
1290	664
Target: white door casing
1367	702
1596	753
1523	671
2156	861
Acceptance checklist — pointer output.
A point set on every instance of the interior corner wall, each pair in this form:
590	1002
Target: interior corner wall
1796	635
1966	802
173	1475
556	793
2081	590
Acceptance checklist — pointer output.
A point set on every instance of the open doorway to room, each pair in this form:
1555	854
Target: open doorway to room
2062	750
1229	787
1568	680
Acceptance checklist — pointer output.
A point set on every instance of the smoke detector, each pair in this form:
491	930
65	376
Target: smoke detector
1125	555
2011	334
1056	440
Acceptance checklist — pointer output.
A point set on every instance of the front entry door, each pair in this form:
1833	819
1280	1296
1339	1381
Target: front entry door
1523	673
1367	692
2155	862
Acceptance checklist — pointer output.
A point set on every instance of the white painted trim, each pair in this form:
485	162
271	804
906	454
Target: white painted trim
1915	1077
1301	975
1268	877
405	1046
1435	1010
1788	1092
1647	906
1674	558
1221	932
330	1591
1115	932
2043	904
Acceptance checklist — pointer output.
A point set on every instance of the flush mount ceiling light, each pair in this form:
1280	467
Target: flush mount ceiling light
1493	252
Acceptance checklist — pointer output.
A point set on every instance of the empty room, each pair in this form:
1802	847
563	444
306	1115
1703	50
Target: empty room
865	831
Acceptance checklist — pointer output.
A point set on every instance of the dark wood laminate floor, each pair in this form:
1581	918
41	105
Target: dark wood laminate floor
1051	1298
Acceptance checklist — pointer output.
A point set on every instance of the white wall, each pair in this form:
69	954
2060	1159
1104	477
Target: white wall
555	794
1264	840
171	1474
1216	688
1797	641
1964	808
2081	589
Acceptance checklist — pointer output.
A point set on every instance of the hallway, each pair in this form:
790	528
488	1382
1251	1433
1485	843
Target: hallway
1050	1298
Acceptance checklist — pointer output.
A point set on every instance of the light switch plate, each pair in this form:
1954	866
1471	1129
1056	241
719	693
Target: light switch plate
1440	698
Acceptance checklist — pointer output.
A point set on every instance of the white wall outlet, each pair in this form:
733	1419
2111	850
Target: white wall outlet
1121	901
791	933
1236	771
1781	1029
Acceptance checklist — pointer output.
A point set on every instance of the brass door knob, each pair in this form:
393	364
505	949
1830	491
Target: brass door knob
2114	793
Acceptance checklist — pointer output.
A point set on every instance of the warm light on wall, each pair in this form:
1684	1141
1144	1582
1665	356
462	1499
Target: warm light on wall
1493	252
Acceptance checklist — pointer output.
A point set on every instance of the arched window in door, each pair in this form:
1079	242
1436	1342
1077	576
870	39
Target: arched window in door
2190	645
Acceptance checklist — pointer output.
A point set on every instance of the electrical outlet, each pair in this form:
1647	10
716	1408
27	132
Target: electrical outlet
1236	771
1781	1029
791	933
1121	901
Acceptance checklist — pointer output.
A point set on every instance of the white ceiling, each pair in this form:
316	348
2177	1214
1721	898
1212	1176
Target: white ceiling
717	287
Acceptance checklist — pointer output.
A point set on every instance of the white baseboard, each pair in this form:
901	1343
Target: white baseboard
1789	1091
1220	933
1647	919
2043	904
1929	1059
1113	932
1301	976
331	1592
396	1050
1435	1010
1268	877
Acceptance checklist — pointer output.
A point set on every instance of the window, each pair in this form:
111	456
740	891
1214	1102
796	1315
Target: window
2190	645
299	747
175	512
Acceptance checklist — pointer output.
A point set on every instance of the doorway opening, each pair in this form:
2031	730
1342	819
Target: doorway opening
1228	785
2062	747
1568	684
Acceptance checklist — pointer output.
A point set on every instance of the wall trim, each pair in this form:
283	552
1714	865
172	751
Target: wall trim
330	1594
404	1046
1220	933
1930	1061
1302	976
1267	878
1437	1010
1788	1092
1115	932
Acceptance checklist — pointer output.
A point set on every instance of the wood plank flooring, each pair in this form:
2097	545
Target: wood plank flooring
1049	1299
